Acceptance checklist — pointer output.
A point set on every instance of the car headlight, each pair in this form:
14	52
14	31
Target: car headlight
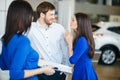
97	35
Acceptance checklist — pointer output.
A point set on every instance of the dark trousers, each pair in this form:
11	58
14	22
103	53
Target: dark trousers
55	76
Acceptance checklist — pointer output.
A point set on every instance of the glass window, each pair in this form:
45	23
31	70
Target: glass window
115	29
94	28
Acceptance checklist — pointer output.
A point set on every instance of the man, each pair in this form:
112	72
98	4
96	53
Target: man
47	38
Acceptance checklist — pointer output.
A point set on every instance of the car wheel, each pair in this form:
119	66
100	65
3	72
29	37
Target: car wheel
108	56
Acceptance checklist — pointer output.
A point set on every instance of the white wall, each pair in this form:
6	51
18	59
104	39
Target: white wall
65	12
3	10
4	4
2	16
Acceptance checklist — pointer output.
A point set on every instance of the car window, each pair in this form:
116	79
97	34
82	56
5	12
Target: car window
115	29
95	28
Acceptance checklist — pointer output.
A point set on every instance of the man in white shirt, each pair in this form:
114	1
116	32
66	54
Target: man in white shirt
47	38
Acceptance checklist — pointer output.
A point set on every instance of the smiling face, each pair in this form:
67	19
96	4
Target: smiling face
49	17
73	24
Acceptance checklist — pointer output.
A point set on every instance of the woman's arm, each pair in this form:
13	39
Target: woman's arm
17	70
46	70
69	39
80	48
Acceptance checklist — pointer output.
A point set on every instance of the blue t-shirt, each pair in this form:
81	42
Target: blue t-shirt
18	56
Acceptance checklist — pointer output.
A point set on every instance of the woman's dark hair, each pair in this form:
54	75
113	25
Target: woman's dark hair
44	7
19	18
84	29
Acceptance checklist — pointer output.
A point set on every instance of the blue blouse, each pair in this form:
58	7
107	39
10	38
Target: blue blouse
18	56
83	69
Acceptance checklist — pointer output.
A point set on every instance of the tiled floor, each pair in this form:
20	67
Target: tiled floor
111	72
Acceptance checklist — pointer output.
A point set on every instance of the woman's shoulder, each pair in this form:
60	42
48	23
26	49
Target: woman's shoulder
82	38
22	39
82	41
18	39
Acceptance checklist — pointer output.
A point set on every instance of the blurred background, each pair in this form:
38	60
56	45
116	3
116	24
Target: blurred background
98	10
105	19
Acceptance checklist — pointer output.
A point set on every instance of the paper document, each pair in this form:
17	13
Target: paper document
62	68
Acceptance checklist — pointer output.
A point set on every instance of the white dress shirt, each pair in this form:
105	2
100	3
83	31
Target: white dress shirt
49	42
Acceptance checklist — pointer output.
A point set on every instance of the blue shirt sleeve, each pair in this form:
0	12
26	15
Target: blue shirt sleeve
79	49
2	65
21	53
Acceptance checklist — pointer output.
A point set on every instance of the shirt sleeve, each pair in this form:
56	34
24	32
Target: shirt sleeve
21	53
79	49
2	65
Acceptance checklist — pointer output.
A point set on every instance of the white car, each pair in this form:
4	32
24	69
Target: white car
107	40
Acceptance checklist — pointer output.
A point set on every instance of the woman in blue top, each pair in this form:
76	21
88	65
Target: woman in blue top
82	49
17	54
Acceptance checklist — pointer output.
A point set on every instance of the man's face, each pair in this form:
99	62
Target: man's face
49	17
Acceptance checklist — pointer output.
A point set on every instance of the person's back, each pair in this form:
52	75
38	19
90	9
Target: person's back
12	52
17	56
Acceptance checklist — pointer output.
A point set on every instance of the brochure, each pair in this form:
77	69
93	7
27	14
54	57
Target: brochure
59	67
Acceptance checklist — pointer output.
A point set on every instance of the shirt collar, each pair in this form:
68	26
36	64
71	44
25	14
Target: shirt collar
43	26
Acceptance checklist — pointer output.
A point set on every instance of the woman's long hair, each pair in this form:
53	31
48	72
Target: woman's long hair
84	29
19	18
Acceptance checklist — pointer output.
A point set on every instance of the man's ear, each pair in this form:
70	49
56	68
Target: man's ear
42	14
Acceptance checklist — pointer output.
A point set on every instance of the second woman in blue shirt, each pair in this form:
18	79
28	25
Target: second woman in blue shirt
81	51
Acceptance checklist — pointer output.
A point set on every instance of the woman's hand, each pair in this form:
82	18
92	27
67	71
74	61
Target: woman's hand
68	37
48	70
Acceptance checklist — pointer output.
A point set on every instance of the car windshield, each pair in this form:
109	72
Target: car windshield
115	29
95	28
